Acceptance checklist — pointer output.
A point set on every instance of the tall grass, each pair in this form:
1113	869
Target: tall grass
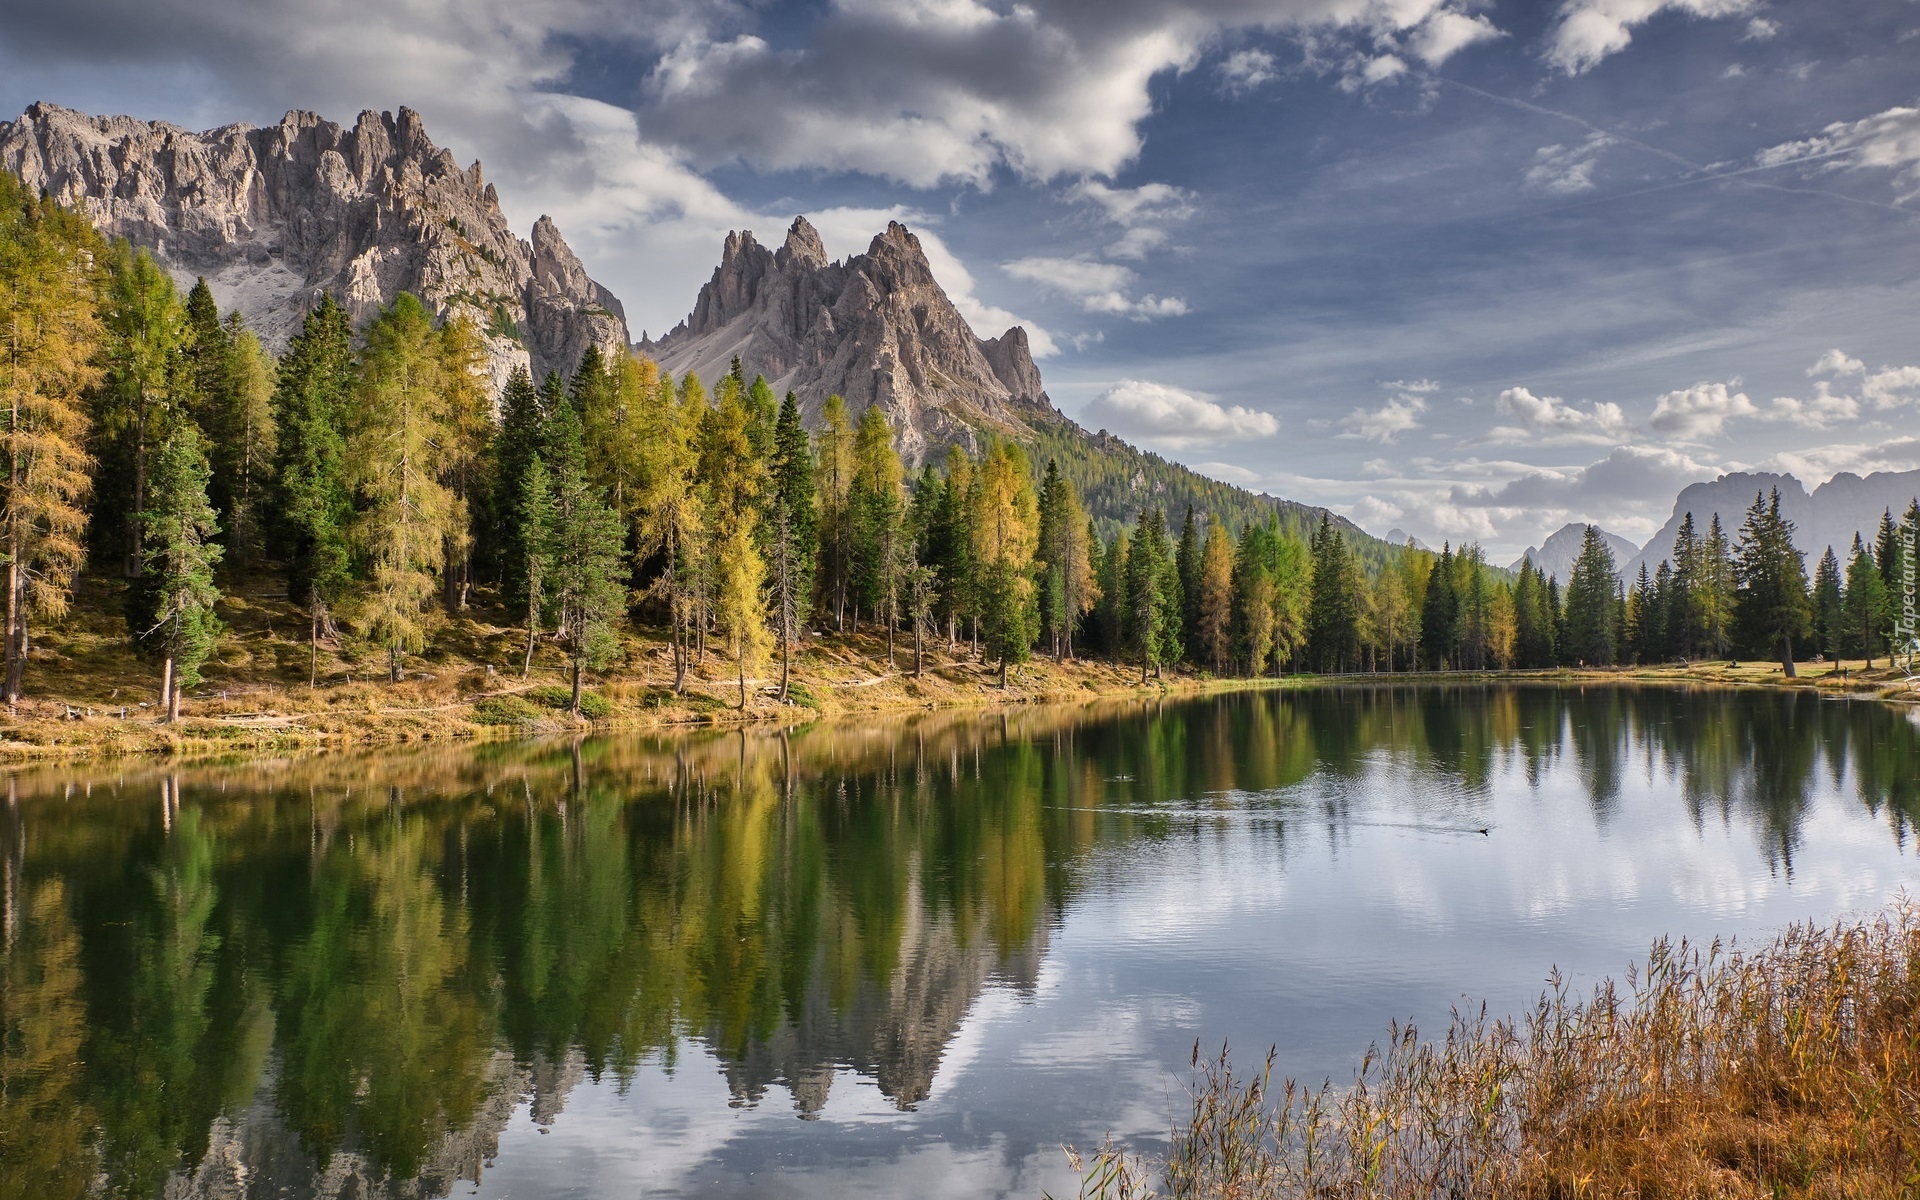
1789	1070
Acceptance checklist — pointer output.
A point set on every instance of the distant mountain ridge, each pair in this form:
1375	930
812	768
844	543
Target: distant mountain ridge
1828	516
275	216
1558	553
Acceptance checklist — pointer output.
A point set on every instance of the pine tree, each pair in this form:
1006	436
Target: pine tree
1440	613
585	547
1006	527
1683	608
463	450
1714	591
49	287
1333	617
876	506
1473	639
1659	632
315	498
795	528
244	456
535	534
1639	618
401	416
836	465
1886	553
1503	627
1591	601
180	557
1111	614
670	517
1829	613
1771	608
1865	603
1213	615
1186	563
949	538
139	399
515	445
1153	595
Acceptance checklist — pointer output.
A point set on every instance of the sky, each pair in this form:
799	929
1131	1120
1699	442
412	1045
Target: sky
1466	268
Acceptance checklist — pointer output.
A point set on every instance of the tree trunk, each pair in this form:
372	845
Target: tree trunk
1003	672
394	672
741	659
576	688
1786	656
169	698
919	639
313	639
16	628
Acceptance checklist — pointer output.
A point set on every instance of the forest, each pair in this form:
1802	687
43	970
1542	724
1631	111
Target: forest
150	440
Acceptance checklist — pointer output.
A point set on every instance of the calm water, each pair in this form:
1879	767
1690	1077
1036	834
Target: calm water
905	957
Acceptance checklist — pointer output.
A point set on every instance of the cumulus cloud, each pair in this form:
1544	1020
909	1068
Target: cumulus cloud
1168	418
1398	415
1886	141
1567	170
1702	410
1099	287
1446	32
1141	211
1590	30
1835	362
1551	419
1244	70
1761	29
1630	491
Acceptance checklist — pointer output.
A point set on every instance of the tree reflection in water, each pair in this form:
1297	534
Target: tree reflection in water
340	975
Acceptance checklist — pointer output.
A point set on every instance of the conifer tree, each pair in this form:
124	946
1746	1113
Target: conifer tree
836	466
536	531
1828	612
613	424
795	530
1253	604
1771	576
1213	615
139	399
1639	617
1186	562
49	287
515	445
671	518
1069	585
1472	640
739	604
1886	552
463	451
315	498
950	543
1659	632
1006	522
180	557
244	455
876	503
1439	612
585	546
1591	638
401	416
1153	594
1502	627
1683	607
1714	591
1865	605
1333	619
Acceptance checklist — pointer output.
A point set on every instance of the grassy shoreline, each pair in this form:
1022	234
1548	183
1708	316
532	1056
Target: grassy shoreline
90	697
1785	1069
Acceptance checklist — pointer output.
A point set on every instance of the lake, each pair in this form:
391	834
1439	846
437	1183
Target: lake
909	955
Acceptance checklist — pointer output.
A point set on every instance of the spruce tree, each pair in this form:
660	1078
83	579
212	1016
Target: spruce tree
795	533
877	506
1715	590
401	415
515	445
50	284
1683	607
1591	601
1771	606
1333	617
245	453
1186	562
1152	590
1886	552
140	398
180	557
1865	604
1639	647
836	465
315	498
1440	612
535	535
1828	613
586	547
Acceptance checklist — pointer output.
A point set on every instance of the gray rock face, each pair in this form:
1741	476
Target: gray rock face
1557	554
1830	515
876	329
274	217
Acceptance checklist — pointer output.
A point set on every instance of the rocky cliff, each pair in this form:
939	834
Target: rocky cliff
1830	515
275	216
876	328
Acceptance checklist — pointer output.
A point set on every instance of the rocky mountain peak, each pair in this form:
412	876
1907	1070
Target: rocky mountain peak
275	216
876	329
803	249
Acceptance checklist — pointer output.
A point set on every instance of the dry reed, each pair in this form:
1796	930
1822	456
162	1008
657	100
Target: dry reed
1789	1070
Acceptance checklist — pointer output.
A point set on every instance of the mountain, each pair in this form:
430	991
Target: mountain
876	329
273	217
1401	537
1828	516
1558	553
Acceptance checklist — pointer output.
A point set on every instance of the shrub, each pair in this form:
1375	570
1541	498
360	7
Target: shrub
504	710
593	706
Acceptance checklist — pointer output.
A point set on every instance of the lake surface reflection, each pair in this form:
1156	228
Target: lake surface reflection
945	944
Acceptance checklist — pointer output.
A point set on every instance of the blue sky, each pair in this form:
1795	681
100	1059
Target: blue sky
1468	269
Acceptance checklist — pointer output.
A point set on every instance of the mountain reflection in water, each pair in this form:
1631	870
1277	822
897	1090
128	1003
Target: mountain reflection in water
345	975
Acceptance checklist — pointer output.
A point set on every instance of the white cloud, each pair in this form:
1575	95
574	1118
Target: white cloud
1398	415
1446	33
1590	30
1244	70
1551	419
1138	242
1702	410
1566	170
1761	29
1836	362
1130	206
1817	463
1099	287
1169	418
1886	141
